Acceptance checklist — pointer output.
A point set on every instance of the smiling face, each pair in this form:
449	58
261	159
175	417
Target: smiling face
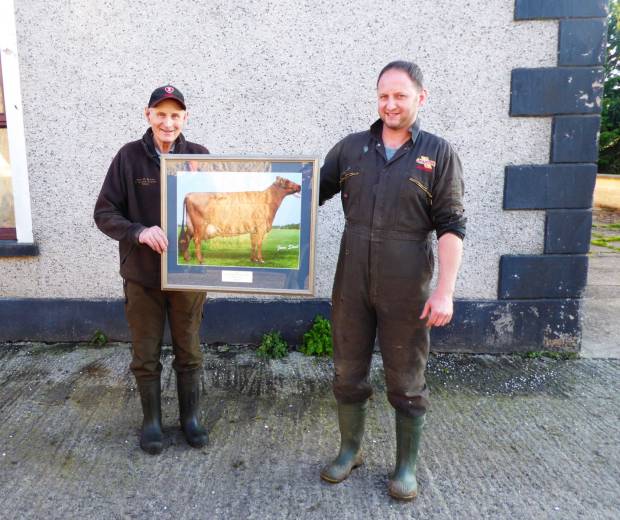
399	99
166	120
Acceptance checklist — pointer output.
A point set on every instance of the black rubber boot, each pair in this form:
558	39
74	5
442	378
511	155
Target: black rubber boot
151	437
188	387
403	484
351	419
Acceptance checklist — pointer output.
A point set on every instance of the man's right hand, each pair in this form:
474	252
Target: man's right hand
155	238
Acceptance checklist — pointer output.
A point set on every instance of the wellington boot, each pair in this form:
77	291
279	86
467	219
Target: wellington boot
151	437
403	484
351	418
188	387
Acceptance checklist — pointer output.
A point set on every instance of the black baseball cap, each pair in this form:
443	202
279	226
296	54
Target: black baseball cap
166	92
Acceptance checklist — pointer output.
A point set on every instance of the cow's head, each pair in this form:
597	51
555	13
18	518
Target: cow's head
287	185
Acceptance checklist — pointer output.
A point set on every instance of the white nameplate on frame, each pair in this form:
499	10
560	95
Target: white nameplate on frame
237	276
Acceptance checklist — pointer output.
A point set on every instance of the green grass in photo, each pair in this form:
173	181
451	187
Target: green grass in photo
280	250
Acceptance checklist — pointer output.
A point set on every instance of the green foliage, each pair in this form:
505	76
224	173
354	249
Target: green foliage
550	354
98	339
318	340
608	241
609	142
288	226
272	346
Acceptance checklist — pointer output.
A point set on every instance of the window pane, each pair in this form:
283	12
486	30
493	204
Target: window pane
7	211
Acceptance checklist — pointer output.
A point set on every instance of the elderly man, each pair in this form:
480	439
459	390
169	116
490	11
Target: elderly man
397	184
128	210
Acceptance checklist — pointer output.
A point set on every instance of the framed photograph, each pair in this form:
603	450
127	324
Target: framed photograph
239	224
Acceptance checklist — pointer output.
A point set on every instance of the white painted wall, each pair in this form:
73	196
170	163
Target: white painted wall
264	77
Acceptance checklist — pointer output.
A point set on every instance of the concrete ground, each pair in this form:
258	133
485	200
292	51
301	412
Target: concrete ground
507	438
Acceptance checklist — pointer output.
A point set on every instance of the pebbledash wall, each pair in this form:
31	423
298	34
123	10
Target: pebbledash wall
515	86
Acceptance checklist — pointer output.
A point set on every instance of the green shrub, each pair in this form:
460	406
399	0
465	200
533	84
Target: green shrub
318	340
98	339
272	346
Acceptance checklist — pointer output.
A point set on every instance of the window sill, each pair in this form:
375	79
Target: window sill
14	248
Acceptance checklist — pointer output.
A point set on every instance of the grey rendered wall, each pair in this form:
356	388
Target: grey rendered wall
261	77
285	77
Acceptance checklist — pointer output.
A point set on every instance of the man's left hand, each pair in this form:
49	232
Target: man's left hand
438	309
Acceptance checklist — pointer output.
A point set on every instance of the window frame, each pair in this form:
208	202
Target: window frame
13	118
6	233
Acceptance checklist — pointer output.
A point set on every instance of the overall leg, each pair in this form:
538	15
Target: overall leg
354	328
185	316
145	312
404	347
403	289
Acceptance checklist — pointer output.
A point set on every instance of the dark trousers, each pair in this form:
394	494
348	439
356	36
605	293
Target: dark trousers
146	310
380	289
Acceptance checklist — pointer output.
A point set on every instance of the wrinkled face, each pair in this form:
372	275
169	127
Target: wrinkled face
399	99
166	119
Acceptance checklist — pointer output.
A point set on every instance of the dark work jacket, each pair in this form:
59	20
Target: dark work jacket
419	190
130	201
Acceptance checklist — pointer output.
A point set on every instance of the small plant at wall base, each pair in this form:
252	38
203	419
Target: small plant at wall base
609	143
272	346
318	340
98	339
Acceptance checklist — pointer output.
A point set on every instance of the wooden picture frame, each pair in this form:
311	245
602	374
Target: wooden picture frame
239	224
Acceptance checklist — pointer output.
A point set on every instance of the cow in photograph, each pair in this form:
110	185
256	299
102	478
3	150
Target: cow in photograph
211	215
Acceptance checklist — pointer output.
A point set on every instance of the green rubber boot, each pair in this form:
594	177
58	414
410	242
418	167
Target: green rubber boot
351	418
403	484
188	388
151	437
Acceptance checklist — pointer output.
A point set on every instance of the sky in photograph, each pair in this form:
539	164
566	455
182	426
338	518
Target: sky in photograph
289	212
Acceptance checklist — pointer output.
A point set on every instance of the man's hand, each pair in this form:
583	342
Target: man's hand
438	309
155	238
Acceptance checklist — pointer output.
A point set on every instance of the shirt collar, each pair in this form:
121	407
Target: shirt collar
414	129
159	152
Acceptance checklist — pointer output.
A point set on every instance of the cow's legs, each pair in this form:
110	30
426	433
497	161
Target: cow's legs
197	241
253	256
259	246
184	245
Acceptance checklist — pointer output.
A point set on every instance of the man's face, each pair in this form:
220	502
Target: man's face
398	99
166	119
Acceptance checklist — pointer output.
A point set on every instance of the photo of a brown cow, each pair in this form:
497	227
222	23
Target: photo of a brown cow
208	215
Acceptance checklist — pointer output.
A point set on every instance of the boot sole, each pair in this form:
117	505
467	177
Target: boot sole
197	445
402	497
336	481
152	450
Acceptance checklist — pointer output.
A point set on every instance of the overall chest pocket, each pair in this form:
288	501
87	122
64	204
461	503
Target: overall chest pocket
351	181
415	200
425	189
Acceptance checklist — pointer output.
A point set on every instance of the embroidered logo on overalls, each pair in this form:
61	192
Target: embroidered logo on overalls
425	163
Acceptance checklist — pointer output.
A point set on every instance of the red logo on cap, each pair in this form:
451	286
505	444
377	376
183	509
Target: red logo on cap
169	90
